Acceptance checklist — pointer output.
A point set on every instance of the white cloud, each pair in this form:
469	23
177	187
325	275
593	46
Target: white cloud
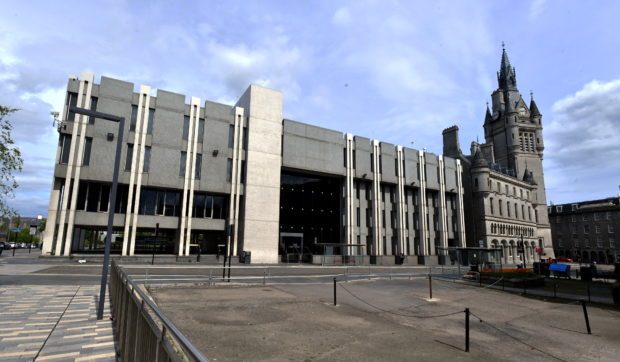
536	8
583	142
342	16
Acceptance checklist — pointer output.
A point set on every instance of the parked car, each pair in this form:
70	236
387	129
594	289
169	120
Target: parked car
11	245
563	258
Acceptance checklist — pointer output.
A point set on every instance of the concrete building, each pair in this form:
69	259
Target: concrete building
586	230
209	174
503	177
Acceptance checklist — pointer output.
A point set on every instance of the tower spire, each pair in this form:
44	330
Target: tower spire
534	112
506	77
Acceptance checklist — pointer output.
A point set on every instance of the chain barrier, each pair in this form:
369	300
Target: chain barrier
517	339
396	313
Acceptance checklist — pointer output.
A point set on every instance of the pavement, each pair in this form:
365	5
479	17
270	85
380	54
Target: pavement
50	321
378	320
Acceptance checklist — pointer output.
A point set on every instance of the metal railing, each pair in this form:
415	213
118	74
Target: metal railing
143	331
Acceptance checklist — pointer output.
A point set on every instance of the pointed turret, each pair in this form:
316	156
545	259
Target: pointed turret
506	77
488	118
534	112
478	160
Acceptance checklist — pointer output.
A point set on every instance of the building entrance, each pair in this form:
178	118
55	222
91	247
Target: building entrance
292	249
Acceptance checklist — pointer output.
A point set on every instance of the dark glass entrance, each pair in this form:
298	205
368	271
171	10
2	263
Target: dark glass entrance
310	205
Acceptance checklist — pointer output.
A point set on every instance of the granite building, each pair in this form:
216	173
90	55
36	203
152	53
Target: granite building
210	174
503	177
586	231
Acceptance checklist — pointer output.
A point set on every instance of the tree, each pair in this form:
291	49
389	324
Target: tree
10	162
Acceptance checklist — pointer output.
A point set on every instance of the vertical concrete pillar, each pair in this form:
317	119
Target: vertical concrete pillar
443	212
376	200
402	202
424	243
235	182
349	191
261	218
460	208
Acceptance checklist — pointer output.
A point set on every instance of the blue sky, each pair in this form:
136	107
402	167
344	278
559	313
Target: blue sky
397	71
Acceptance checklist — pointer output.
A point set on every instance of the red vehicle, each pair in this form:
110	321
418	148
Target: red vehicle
563	258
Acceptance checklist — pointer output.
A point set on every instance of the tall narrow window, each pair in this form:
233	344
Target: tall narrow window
134	118
65	144
380	164
245	138
229	170
396	167
231	136
93	107
149	125
185	128
372	162
182	162
147	159
243	171
201	129
198	166
71	102
128	159
344	157
354	159
88	144
357	217
491	203
508	208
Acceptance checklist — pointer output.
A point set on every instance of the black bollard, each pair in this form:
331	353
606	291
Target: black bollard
335	291
466	329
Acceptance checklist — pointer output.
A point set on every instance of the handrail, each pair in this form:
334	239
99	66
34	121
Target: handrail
185	343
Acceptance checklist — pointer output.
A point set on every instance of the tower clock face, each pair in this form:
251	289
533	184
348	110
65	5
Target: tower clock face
522	111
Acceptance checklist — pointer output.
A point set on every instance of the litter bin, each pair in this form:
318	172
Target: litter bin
537	268
586	273
247	257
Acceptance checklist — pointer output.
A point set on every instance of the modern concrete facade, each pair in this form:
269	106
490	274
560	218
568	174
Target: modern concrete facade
209	174
503	177
586	230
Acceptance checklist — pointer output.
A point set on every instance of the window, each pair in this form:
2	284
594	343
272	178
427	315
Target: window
357	217
491	203
523	212
231	136
599	242
610	229
65	143
93	107
476	182
597	229
229	170
558	208
182	163
573	207
586	243
597	216
396	167
514	191
608	215
201	129
584	217
149	125
506	189
88	145
71	102
372	162
344	157
612	243
147	159
198	167
186	128
508	208
380	164
354	161
500	207
573	218
367	189
243	170
134	118
245	138
368	217
521	193
516	211
586	229
357	190
129	158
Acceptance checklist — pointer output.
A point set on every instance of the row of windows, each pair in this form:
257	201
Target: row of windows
597	229
596	216
512	210
506	189
503	229
585	243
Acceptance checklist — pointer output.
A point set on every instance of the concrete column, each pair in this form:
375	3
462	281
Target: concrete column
443	212
194	121
83	123
402	202
424	247
138	163
235	182
187	179
376	200
349	192
84	87
261	218
460	209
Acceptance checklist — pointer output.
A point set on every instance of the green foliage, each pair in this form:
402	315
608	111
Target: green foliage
10	162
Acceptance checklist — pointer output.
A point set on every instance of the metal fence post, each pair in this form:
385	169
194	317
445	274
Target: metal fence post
466	329
585	315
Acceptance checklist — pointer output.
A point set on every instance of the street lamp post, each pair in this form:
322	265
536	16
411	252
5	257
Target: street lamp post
111	209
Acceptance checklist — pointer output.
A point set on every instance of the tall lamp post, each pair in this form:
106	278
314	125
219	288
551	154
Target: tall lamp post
111	209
